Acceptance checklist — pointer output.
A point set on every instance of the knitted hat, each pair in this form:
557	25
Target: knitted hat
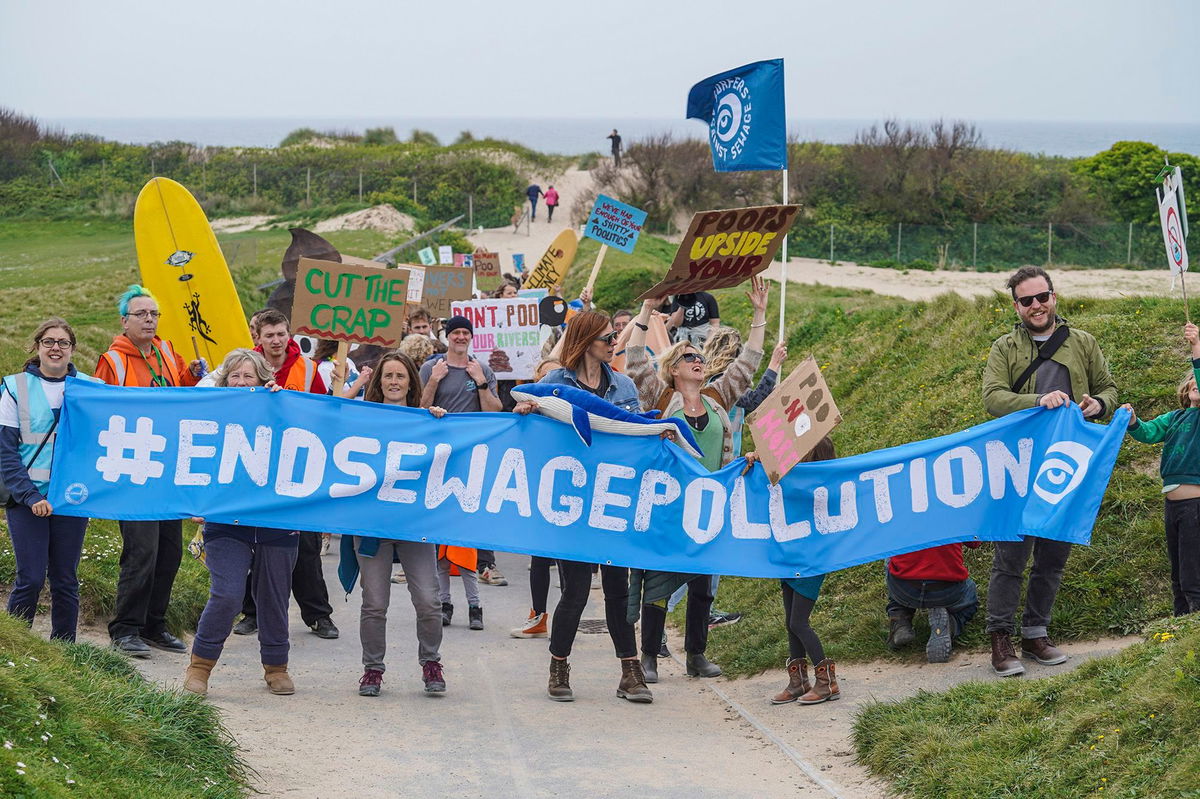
456	322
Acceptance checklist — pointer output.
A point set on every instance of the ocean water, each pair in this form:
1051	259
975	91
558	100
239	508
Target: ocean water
577	136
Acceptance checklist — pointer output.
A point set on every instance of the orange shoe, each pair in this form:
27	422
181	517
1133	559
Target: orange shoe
534	627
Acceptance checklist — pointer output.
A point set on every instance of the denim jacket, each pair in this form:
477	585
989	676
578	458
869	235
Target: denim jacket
621	390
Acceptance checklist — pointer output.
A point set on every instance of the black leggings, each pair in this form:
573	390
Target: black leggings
802	638
539	582
576	583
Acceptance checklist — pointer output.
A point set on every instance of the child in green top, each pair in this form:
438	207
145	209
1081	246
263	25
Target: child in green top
1180	467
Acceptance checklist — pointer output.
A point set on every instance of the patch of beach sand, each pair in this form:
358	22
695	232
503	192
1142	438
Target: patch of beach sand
915	284
383	218
239	224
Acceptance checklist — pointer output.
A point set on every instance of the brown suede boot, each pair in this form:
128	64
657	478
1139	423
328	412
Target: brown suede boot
559	688
825	686
1004	660
195	679
798	684
278	680
1044	652
633	682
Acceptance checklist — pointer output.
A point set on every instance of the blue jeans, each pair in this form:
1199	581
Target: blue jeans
46	546
907	596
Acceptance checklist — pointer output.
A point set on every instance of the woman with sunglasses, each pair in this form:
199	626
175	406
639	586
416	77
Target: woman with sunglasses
44	543
678	389
587	348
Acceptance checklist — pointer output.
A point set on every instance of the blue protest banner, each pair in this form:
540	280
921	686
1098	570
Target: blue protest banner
528	484
614	223
744	111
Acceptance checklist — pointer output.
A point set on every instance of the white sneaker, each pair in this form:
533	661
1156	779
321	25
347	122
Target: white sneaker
492	576
325	539
534	627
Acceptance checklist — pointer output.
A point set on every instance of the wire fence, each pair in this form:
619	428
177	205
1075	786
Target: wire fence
983	247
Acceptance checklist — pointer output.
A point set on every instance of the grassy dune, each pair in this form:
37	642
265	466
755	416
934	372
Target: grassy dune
76	720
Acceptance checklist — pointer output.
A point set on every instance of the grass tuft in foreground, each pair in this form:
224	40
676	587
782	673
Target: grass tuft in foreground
77	720
1124	725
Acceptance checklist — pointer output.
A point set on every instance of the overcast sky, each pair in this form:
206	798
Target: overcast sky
1076	60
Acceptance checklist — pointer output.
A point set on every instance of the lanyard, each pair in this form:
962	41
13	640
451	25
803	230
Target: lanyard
156	378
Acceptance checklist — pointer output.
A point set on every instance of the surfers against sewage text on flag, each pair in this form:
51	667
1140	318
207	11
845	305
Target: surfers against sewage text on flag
527	484
744	110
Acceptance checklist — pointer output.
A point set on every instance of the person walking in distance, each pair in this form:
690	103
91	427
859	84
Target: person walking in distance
1041	362
150	550
45	544
533	192
615	139
295	372
551	202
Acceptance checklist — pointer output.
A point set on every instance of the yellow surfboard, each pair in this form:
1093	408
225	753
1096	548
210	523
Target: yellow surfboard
552	267
183	267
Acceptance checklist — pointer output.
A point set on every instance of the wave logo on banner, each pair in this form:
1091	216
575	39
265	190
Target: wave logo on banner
527	484
744	110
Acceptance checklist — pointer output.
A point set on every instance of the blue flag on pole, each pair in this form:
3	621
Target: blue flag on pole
744	109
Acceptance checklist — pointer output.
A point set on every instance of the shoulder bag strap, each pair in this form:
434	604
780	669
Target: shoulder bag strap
1045	353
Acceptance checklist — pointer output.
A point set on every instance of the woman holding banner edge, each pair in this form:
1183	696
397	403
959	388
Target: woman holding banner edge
677	389
587	348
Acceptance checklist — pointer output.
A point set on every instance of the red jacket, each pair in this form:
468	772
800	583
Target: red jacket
298	373
944	564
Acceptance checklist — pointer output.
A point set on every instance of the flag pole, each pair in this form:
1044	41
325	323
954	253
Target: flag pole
783	279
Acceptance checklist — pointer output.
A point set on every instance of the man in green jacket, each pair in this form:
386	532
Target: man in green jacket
1075	372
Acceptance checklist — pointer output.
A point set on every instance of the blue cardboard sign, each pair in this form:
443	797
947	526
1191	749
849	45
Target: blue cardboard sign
614	223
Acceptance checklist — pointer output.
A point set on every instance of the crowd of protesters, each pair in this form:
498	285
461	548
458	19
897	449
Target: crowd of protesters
705	378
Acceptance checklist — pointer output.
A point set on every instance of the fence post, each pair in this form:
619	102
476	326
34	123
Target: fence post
204	176
360	186
414	191
1129	247
255	173
830	242
899	236
470	212
1049	243
153	171
308	186
974	245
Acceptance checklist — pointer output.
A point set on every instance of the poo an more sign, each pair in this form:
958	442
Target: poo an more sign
508	334
793	419
725	248
346	302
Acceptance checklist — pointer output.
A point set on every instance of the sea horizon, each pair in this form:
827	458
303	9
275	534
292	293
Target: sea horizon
579	135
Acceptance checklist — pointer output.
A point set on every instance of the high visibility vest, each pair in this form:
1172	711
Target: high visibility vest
36	418
300	377
117	361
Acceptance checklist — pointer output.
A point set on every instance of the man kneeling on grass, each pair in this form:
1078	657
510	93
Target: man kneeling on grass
935	579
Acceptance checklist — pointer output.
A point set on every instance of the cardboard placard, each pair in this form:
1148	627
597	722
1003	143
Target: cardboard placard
614	223
416	282
1173	217
444	285
725	248
487	264
427	257
445	255
793	419
508	334
348	302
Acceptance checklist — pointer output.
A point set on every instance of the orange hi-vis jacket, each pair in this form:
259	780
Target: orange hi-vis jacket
298	373
125	365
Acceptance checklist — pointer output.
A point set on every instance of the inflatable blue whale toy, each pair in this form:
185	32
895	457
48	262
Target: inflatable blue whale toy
586	412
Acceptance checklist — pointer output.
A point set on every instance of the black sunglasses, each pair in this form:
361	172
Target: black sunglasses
691	357
609	338
1042	297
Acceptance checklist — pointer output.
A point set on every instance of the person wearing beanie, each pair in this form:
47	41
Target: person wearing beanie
459	383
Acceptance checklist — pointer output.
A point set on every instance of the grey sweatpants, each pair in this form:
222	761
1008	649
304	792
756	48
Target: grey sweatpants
419	562
469	578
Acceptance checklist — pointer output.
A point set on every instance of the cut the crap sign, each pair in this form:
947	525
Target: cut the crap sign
508	334
351	303
793	419
725	248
